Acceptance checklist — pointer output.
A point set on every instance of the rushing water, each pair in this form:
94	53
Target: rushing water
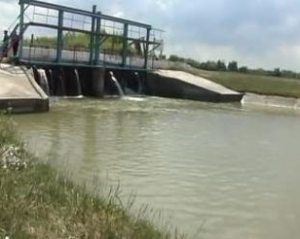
231	171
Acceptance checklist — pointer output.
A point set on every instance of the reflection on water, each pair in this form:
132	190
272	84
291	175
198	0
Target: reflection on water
225	168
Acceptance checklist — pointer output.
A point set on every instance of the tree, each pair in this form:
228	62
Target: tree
176	58
277	72
243	69
209	65
233	66
192	63
221	65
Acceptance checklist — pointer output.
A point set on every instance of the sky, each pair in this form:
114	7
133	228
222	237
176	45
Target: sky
256	33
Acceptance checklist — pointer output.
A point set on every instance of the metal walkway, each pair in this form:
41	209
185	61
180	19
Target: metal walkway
55	35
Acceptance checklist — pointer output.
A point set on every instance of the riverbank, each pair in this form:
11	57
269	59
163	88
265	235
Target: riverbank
37	202
242	82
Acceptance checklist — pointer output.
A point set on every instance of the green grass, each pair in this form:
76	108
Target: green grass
37	202
80	41
265	85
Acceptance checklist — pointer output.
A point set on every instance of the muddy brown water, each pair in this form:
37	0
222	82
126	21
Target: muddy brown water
229	171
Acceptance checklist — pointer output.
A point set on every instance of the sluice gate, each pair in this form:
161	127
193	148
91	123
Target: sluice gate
94	82
74	52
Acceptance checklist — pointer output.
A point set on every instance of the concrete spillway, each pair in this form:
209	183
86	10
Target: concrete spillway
19	93
178	84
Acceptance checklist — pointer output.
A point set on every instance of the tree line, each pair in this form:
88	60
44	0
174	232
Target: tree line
233	66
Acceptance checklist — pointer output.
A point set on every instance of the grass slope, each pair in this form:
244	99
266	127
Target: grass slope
266	85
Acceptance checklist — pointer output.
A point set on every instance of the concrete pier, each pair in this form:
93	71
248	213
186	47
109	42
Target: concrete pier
179	84
19	92
98	82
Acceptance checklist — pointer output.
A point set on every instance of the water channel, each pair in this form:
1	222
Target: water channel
229	171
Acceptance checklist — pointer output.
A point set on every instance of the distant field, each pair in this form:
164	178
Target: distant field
266	85
242	82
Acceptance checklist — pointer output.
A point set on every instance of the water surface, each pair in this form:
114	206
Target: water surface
230	170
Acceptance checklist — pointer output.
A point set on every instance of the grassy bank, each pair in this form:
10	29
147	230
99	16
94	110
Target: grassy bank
266	85
36	202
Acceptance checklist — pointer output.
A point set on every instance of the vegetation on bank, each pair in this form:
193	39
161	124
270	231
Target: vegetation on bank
81	41
36	202
233	66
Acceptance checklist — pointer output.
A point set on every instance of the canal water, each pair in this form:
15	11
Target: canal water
216	170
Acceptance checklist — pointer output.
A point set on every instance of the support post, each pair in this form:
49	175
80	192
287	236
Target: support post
125	44
98	39
98	75
92	41
59	47
147	48
21	27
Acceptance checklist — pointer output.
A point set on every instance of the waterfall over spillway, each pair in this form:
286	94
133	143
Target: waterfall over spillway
77	81
117	84
44	81
140	86
61	82
50	81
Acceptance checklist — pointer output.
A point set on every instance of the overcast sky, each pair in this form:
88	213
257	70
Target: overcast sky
256	33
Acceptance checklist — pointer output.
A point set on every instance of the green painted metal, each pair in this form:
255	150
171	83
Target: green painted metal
82	12
101	27
80	64
98	39
147	48
60	39
125	44
92	41
21	27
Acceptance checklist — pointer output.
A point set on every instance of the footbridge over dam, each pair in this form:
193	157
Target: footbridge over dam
74	52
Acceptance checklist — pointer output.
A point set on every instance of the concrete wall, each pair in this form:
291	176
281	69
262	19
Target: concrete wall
74	81
174	84
19	93
270	101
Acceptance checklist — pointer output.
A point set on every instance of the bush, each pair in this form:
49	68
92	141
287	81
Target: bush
233	66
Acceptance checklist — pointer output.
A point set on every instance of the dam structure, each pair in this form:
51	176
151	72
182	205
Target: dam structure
74	52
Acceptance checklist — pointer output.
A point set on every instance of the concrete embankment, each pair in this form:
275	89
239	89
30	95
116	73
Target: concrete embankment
271	101
178	84
19	92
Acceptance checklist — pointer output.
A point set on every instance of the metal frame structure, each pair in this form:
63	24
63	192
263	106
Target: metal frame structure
97	32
